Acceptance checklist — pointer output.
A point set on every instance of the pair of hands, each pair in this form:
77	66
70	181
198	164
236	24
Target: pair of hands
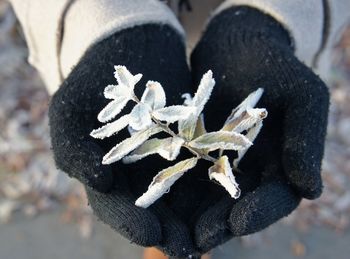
245	52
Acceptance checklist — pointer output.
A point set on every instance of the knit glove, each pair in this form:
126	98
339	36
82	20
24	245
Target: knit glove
158	53
247	49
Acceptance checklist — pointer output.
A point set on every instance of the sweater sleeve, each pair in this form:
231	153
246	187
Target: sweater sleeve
58	32
314	25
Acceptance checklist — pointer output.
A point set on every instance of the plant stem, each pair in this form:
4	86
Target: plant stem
192	150
166	129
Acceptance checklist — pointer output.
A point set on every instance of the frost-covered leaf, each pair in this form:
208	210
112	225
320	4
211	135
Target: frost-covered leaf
140	117
221	172
129	144
112	109
187	126
131	131
168	148
149	147
117	91
204	91
124	77
221	140
248	103
188	99
171	148
163	181
154	95
173	113
246	120
200	127
251	135
111	128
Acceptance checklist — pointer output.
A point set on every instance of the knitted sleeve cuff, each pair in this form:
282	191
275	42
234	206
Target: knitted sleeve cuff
59	32
303	19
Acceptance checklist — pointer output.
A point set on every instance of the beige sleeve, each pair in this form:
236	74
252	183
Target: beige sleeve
314	25
58	32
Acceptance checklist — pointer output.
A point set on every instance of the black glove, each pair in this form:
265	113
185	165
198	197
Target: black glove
247	49
158	53
194	216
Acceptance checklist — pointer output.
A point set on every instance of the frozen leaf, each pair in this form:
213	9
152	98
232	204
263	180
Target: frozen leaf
221	140
204	91
187	126
200	127
128	145
249	102
246	120
188	99
154	95
124	77
131	131
111	128
171	148
117	91
168	148
112	109
173	113
251	135
149	147
222	173
140	117
163	181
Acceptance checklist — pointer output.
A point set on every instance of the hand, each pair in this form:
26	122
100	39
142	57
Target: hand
247	49
158	53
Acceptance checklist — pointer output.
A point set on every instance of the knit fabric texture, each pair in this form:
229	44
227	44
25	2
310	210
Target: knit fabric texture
245	51
158	53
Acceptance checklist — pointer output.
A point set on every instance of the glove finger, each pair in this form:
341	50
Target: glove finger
74	150
305	127
176	237
211	228
260	208
83	161
117	210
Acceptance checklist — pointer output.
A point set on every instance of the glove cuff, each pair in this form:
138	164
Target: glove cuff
304	22
249	26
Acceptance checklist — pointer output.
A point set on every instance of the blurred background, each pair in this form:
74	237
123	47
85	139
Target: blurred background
44	214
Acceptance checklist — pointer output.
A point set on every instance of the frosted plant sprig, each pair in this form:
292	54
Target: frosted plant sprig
150	116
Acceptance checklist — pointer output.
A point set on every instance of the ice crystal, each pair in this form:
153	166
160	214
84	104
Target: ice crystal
150	116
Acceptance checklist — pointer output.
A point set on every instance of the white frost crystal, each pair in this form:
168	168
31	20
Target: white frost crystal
163	181
121	94
150	116
221	171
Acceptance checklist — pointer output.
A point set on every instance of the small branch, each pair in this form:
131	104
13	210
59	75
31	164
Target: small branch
166	129
135	98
